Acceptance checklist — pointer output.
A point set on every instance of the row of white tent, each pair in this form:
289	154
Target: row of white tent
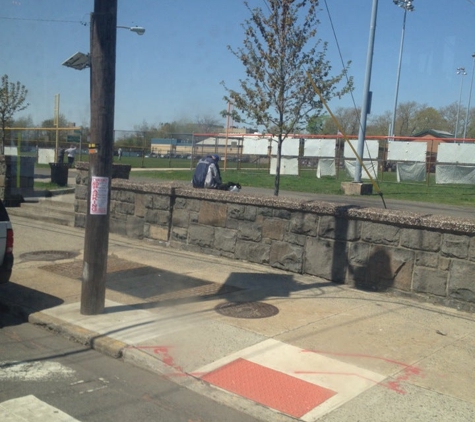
397	150
455	161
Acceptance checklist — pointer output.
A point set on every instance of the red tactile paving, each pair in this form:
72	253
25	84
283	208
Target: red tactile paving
274	389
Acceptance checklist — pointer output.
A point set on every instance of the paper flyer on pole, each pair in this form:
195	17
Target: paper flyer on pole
99	195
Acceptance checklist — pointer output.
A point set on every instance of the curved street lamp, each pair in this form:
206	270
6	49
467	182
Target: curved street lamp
469	98
407	6
137	29
80	61
460	71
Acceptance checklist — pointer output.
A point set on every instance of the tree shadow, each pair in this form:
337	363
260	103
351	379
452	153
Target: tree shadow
255	287
376	275
370	273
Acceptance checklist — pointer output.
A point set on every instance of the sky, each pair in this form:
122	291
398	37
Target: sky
174	71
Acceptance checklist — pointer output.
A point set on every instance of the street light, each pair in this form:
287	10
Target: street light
460	71
80	61
407	6
469	98
137	29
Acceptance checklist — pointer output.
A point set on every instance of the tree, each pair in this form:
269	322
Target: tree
405	118
207	124
279	48
20	124
26	121
49	123
12	100
449	114
315	124
379	125
428	118
470	124
348	120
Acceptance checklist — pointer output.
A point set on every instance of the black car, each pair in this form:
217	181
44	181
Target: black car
6	245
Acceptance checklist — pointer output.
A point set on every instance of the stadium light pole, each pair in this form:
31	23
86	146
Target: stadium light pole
366	106
469	98
460	71
407	6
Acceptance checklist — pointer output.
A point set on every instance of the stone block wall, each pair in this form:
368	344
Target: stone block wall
371	249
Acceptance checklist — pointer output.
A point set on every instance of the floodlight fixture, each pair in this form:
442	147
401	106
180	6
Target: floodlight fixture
78	61
405	4
137	29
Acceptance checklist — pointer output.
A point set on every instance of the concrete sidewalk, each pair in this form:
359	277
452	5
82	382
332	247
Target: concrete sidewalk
276	345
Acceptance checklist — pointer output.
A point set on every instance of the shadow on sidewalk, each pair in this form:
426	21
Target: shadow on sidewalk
255	287
22	301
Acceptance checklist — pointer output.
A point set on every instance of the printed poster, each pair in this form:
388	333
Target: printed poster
99	195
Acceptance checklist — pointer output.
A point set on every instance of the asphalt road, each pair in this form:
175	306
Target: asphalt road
41	371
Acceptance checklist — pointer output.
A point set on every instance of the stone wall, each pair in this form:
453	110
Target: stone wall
372	249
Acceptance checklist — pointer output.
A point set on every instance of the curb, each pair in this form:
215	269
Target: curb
143	360
96	341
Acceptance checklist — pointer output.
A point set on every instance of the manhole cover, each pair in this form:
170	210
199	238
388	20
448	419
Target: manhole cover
48	255
252	310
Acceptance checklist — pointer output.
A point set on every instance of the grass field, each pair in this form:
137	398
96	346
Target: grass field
308	182
257	175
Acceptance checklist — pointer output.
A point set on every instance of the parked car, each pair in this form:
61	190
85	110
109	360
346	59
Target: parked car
6	245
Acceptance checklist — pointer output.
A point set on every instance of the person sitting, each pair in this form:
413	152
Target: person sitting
207	175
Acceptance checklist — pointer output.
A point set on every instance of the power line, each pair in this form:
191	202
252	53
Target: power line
339	51
43	20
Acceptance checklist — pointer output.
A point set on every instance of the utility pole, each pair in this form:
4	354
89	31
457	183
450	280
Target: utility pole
96	241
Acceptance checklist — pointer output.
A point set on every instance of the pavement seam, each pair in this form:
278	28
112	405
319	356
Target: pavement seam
99	342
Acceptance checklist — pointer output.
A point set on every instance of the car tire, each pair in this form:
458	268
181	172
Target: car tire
5	275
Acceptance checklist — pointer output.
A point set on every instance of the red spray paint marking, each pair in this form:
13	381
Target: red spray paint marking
395	386
165	356
167	359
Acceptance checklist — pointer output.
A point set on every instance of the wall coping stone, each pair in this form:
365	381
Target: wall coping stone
400	218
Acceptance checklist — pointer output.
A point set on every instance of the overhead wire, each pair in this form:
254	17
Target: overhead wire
43	20
354	105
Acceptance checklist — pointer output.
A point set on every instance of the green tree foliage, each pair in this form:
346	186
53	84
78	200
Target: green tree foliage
12	100
315	124
279	48
428	118
49	124
26	121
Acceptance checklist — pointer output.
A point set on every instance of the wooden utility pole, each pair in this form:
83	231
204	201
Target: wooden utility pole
96	242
